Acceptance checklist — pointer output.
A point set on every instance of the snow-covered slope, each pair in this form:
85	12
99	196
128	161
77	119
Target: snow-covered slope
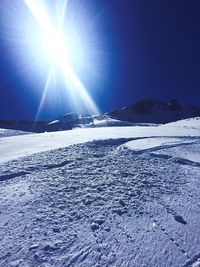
185	150
115	123
192	123
108	202
155	111
7	132
108	123
155	143
19	146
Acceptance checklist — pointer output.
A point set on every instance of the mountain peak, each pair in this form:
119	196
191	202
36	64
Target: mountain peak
155	111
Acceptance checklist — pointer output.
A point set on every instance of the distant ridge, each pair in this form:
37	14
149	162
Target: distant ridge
151	110
147	111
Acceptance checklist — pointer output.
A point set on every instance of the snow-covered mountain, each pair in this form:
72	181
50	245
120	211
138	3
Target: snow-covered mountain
154	111
146	112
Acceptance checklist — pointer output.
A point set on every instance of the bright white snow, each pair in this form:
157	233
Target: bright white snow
19	146
153	143
101	203
116	123
8	132
193	123
109	123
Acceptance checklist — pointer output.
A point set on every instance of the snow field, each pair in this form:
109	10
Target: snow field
130	200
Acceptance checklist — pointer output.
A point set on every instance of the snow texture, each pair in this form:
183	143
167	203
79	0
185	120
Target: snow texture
8	132
101	203
19	146
152	143
109	123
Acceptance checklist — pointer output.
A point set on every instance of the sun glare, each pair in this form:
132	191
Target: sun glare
56	48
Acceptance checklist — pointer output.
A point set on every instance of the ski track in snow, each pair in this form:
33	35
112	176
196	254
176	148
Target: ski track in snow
98	204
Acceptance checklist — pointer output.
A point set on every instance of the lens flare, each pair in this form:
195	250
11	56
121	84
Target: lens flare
55	46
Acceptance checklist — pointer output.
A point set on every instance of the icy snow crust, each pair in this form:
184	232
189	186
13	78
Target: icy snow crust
102	203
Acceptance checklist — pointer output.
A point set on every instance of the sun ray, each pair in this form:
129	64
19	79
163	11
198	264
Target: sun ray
44	94
64	10
58	51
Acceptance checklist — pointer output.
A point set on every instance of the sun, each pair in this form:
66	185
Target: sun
56	49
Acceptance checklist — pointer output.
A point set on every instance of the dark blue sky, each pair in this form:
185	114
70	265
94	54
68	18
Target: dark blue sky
150	48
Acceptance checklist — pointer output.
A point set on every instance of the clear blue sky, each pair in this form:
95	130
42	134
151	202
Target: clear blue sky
148	49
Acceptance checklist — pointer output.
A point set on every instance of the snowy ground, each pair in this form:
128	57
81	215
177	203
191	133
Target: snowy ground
115	123
8	132
19	146
120	202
